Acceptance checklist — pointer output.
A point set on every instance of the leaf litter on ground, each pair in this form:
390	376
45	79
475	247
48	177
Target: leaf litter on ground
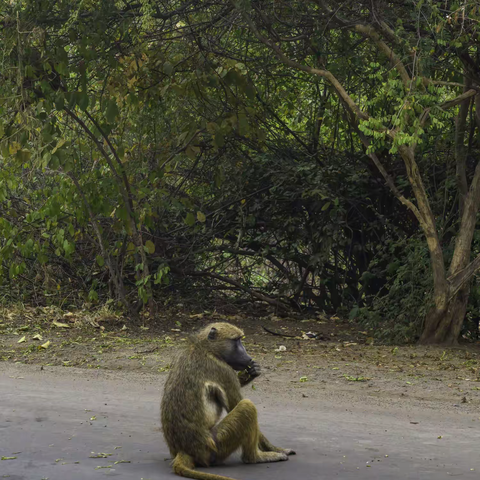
100	455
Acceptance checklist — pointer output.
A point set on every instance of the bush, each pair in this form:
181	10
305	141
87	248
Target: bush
397	315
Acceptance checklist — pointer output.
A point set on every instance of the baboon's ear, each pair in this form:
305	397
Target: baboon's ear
212	335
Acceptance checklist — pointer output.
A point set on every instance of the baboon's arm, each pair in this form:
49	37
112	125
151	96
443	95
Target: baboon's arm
217	394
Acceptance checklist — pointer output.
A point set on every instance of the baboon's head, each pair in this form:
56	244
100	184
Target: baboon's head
225	341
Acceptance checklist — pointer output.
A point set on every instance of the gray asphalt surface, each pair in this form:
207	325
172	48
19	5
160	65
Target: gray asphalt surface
53	420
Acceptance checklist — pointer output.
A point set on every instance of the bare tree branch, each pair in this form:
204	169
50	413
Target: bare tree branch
389	180
452	103
372	33
446	105
237	284
394	189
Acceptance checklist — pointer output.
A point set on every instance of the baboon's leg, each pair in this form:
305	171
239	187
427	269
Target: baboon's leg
266	446
240	429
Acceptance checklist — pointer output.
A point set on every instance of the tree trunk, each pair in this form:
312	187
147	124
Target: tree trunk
442	327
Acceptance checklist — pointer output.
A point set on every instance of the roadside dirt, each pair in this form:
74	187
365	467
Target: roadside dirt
340	360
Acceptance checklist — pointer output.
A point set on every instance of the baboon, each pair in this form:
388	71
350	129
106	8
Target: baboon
202	383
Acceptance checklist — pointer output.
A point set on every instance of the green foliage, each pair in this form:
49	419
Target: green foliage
149	148
396	314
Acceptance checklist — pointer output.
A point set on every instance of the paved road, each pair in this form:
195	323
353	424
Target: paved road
53	420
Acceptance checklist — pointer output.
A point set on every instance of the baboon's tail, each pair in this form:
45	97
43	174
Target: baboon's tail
184	466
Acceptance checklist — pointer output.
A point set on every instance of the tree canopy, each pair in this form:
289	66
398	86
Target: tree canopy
301	154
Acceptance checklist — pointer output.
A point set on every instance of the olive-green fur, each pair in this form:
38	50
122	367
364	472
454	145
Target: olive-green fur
200	385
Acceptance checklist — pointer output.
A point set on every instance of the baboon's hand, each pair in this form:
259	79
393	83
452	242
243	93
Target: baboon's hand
250	373
254	369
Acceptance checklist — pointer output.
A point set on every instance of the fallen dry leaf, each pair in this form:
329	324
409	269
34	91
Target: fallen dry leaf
60	324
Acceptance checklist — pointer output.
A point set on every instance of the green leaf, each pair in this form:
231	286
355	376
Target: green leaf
112	110
150	247
142	293
12	271
23	155
201	217
59	101
242	124
167	68
326	206
42	258
191	152
82	101
71	98
60	143
69	247
354	312
93	296
218	178
62	68
54	162
250	91
219	139
190	219
68	166
100	260
234	77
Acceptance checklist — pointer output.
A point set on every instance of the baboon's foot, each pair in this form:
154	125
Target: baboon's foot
266	457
